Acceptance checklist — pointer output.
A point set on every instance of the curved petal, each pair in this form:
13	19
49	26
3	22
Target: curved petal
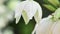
30	8
44	26
17	16
26	19
38	14
56	29
18	13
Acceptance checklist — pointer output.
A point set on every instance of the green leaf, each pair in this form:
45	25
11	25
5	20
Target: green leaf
54	2
50	7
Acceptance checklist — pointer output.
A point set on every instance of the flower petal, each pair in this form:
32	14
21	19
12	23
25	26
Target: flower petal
17	13
26	19
38	14
30	7
56	29
44	26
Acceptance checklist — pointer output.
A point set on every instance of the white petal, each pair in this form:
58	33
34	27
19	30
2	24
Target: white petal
26	19
29	7
17	13
44	26
56	29
38	14
34	31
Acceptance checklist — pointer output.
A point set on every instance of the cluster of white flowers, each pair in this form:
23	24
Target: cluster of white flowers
29	9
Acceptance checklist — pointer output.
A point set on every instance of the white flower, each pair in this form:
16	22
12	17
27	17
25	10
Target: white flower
28	9
56	28
44	27
49	25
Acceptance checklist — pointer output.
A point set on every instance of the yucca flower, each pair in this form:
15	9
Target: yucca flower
45	25
50	24
56	27
28	9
